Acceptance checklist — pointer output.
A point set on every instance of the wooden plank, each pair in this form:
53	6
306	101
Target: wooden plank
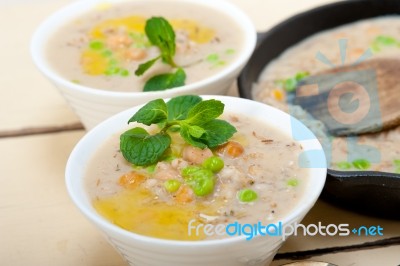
40	130
27	98
39	224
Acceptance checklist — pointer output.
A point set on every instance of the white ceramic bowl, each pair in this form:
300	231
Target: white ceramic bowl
142	250
93	105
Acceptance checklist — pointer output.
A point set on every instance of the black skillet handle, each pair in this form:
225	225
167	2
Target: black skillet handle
392	4
373	193
260	37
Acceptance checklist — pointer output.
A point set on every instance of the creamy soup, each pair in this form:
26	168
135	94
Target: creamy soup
259	181
103	48
378	37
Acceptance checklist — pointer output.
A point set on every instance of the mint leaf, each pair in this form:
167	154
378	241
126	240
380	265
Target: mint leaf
205	111
166	81
154	112
196	131
179	107
145	66
217	132
140	148
194	118
161	34
185	133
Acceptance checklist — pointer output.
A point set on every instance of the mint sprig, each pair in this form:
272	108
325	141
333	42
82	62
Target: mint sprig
193	117
145	66
166	81
161	34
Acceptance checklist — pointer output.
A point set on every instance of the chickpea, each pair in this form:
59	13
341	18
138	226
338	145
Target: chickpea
165	171
196	155
118	41
184	194
135	54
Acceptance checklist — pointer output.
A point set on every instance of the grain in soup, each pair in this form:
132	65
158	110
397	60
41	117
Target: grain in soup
103	48
277	83
259	181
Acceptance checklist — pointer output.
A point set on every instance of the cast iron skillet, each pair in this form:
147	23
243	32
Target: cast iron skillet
373	193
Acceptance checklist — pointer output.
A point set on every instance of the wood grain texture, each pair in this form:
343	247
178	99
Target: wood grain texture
40	130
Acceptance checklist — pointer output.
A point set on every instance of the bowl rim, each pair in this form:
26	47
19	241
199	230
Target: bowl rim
76	9
317	177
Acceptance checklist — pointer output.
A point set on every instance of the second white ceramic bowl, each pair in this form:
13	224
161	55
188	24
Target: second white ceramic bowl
93	105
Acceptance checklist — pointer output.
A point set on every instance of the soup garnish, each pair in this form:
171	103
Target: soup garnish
193	118
160	33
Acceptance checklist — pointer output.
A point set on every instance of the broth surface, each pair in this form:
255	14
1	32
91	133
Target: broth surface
268	166
379	37
104	48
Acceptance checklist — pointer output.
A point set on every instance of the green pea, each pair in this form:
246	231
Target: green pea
172	185
361	164
112	71
343	165
396	163
375	48
112	62
212	58
201	174
196	172
279	83
124	72
96	45
201	180
106	53
220	63
202	186
140	40
151	168
301	75
290	84
230	51
213	163
247	195
385	40
189	170
293	182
